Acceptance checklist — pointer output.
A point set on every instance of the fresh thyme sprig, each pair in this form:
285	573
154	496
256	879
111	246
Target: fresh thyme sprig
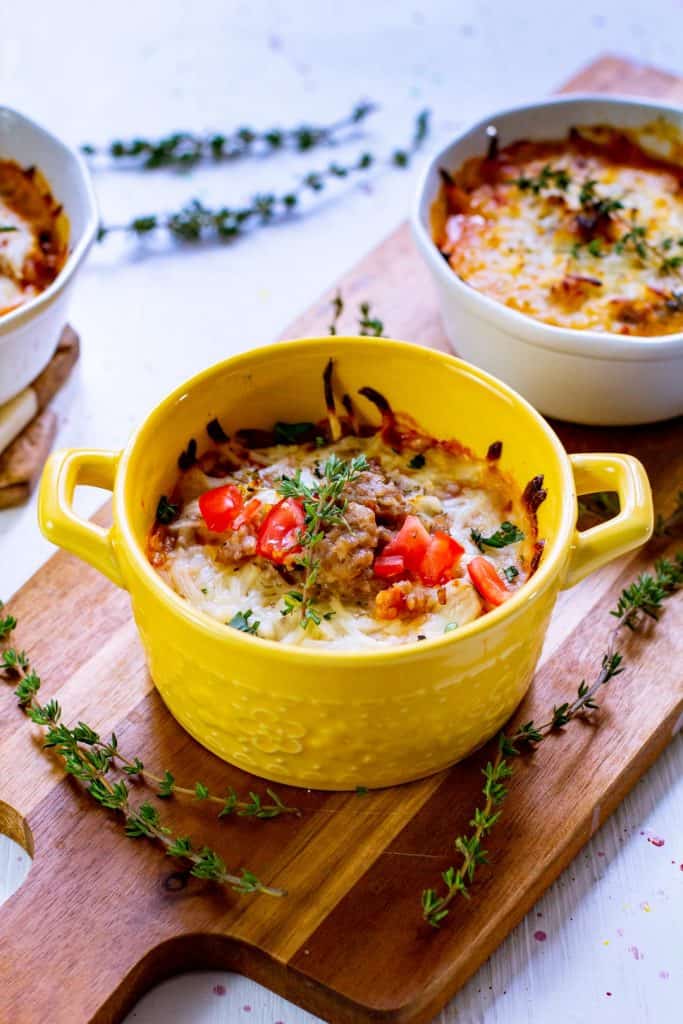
636	242
92	760
548	177
368	325
643	599
595	208
196	222
324	505
184	150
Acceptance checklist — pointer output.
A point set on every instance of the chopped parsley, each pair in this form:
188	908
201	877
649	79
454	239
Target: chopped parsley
240	620
507	534
291	433
166	510
511	572
361	790
417	461
450	626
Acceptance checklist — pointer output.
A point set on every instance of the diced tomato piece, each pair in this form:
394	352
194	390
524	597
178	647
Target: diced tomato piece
439	559
280	531
487	581
249	514
411	541
389	566
220	507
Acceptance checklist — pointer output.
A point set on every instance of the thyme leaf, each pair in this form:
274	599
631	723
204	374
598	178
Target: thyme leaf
368	325
103	769
548	177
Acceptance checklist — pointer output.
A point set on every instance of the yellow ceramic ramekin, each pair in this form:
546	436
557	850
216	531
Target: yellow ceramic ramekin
330	719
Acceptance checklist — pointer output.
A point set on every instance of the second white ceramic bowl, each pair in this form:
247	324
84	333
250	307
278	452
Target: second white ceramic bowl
29	334
583	376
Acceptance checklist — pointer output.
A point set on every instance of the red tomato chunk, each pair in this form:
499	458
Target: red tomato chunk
487	582
440	559
411	541
220	507
389	566
280	532
431	558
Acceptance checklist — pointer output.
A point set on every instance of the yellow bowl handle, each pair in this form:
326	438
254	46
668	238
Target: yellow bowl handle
627	530
63	473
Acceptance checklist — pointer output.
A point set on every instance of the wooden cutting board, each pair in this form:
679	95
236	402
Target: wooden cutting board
100	918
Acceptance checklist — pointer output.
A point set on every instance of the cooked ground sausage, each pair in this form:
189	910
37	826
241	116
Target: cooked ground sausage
347	552
381	495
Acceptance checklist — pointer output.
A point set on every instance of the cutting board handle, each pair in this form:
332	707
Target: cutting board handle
64	472
629	529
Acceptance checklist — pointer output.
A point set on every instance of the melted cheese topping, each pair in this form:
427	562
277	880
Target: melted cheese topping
585	233
33	235
453	491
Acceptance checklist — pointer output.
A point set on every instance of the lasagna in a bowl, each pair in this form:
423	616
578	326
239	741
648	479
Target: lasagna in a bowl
33	235
584	232
344	535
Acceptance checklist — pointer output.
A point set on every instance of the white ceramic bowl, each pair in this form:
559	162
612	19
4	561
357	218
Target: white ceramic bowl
29	334
584	376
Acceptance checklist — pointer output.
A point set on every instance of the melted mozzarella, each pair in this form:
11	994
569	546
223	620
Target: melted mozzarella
524	249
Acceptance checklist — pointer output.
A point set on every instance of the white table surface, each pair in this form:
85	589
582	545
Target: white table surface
151	315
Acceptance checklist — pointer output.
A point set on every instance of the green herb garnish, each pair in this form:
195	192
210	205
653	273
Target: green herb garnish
599	206
184	149
166	510
642	600
507	534
4	228
324	506
548	177
196	222
240	620
104	770
511	572
291	433
368	325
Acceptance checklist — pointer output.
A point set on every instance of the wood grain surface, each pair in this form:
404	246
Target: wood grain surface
107	918
22	462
